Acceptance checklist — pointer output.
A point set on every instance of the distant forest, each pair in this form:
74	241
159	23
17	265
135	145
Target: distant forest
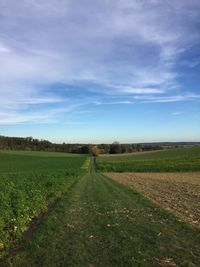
29	143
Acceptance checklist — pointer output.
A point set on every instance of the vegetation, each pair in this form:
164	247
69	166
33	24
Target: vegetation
29	183
117	148
31	144
90	219
100	222
177	160
179	192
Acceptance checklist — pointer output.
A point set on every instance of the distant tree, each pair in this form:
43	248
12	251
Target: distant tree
85	149
115	148
29	143
95	151
138	147
105	148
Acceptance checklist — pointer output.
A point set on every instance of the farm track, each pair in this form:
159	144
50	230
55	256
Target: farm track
100	222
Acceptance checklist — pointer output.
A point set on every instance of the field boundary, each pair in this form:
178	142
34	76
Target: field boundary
179	197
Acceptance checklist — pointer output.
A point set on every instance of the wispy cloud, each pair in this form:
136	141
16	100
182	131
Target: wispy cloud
46	115
177	113
167	99
112	48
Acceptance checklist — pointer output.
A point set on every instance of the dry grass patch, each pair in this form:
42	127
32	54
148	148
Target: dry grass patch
179	192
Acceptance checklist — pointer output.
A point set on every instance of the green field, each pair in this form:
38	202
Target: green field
176	160
29	182
94	221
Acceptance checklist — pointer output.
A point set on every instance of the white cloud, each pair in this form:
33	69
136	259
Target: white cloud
118	47
165	99
48	115
3	49
138	90
177	113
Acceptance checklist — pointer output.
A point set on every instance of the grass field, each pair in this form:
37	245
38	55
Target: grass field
102	223
94	222
37	162
179	192
38	153
177	160
29	182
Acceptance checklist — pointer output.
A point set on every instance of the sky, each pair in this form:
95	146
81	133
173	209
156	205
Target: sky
100	71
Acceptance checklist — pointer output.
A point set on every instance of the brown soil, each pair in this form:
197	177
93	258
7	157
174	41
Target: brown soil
178	192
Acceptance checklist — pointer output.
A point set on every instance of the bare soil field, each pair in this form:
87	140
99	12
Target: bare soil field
178	192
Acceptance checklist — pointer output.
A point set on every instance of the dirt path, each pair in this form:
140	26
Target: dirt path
100	222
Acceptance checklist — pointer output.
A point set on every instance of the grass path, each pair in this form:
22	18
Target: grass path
100	222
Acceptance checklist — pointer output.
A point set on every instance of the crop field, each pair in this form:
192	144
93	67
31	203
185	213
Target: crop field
94	220
177	160
29	183
178	192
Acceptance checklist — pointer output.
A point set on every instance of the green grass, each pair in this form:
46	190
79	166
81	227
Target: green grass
37	162
29	183
99	222
39	153
182	159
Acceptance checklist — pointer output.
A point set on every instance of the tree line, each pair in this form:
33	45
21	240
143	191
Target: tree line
29	143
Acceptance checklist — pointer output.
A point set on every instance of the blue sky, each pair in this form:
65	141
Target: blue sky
100	71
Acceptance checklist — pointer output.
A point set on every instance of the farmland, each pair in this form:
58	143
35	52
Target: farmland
177	160
30	182
90	219
102	223
178	192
